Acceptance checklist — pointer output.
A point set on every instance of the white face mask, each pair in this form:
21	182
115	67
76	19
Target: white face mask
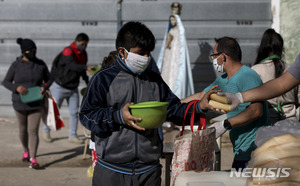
137	62
219	68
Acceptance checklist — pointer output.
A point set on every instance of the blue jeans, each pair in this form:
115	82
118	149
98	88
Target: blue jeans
71	95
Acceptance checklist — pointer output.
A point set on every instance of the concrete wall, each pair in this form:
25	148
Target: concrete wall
53	24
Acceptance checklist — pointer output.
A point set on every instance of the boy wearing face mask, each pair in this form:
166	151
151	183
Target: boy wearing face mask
126	153
66	75
244	121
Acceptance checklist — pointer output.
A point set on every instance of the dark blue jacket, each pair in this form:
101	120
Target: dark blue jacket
120	147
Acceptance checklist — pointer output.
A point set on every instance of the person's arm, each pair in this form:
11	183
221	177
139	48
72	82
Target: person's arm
175	109
169	40
85	77
9	78
46	79
69	62
271	89
199	96
204	102
204	97
196	96
253	112
94	114
67	59
8	81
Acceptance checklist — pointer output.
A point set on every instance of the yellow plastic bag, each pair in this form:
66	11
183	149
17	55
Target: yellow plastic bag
90	172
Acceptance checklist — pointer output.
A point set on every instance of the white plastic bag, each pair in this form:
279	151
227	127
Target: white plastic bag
282	127
50	114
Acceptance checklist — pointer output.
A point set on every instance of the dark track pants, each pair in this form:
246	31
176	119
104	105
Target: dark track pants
105	177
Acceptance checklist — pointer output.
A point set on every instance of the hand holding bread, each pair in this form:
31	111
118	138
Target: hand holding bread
235	99
219	102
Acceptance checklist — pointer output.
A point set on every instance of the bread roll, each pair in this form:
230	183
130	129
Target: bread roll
294	177
289	162
283	183
275	141
218	98
219	105
276	153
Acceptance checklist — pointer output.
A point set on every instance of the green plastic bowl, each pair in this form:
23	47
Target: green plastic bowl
94	70
153	113
82	91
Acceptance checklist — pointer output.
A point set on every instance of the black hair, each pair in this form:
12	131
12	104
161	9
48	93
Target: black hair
271	44
230	47
110	59
135	34
82	37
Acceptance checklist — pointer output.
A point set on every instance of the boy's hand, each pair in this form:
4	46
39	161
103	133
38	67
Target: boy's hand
129	119
204	101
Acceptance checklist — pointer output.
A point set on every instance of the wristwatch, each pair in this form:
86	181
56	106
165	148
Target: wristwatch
227	124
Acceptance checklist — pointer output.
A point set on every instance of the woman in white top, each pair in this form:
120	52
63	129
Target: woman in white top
269	65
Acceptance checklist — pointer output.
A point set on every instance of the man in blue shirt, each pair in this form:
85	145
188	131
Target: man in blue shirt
243	122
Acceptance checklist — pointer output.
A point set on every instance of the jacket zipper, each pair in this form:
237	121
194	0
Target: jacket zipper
136	137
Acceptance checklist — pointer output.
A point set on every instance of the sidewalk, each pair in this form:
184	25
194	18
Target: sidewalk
61	162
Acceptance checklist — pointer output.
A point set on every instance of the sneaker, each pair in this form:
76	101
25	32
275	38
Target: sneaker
33	164
75	139
46	136
25	157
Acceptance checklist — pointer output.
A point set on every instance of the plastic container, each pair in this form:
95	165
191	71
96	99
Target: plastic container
33	94
153	113
82	91
90	172
212	178
94	70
